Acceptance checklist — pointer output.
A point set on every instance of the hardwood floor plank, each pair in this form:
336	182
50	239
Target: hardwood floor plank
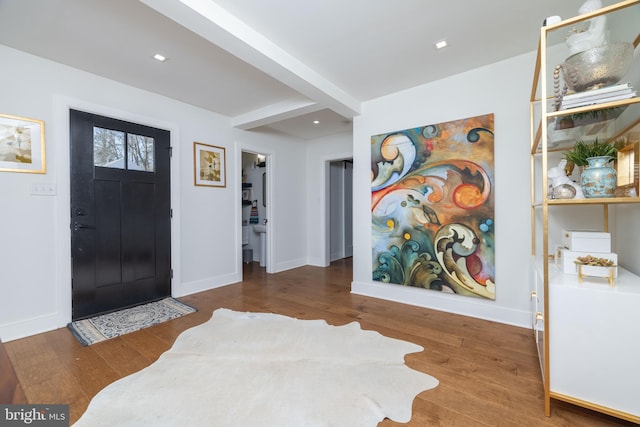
90	371
10	388
33	361
123	358
149	343
426	413
489	373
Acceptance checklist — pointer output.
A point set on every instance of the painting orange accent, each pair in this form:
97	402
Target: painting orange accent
468	196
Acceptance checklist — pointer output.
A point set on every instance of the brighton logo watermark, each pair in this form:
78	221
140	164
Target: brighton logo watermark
34	415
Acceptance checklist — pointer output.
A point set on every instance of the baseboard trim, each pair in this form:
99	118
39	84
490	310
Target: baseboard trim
284	266
188	288
28	327
443	302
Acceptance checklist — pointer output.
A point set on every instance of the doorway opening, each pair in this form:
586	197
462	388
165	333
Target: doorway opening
340	201
255	211
120	213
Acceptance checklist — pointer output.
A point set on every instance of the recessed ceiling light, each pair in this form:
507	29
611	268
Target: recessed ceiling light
315	122
159	57
441	44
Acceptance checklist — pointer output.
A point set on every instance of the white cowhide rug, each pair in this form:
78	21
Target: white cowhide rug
260	369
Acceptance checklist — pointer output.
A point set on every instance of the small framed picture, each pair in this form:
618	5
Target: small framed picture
209	165
21	144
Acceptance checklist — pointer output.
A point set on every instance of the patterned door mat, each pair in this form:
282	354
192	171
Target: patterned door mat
111	325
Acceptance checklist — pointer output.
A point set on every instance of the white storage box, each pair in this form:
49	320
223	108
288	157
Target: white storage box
586	241
568	257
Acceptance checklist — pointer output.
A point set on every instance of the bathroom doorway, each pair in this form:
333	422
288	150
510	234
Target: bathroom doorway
255	210
340	209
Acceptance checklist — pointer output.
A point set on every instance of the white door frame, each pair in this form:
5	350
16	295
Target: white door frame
61	107
270	159
326	209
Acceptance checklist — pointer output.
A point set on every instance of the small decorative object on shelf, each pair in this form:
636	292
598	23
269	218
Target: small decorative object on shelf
565	191
598	67
598	96
598	178
561	186
583	150
627	167
582	39
594	261
593	62
587	118
586	240
588	248
566	261
596	267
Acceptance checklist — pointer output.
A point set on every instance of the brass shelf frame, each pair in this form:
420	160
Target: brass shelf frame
539	160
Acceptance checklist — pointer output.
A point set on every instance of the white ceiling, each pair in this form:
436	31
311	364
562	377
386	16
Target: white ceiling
277	63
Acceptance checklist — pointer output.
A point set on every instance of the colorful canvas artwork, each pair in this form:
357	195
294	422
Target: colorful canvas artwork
432	207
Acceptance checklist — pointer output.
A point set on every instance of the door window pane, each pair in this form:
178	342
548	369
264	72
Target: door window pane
111	151
108	148
140	152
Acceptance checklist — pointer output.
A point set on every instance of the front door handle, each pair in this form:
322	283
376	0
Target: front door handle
77	226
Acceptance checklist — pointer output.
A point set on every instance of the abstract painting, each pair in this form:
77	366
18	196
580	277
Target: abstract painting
432	207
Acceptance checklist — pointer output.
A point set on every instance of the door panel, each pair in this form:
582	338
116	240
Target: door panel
120	212
108	231
143	232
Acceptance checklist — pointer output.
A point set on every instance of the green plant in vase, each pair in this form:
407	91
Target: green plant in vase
583	150
597	179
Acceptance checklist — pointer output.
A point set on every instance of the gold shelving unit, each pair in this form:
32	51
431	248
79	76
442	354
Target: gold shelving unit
550	288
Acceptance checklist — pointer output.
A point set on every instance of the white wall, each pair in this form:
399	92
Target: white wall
35	291
35	273
503	89
320	152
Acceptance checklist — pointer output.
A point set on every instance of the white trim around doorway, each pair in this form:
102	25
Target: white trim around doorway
270	209
61	107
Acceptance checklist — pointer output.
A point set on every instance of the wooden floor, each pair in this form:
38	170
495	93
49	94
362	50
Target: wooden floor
488	372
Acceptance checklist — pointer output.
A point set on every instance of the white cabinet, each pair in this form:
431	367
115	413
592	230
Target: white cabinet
586	330
594	346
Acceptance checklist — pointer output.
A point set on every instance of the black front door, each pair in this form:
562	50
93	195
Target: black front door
120	214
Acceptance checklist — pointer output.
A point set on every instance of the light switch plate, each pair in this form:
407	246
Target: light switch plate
43	189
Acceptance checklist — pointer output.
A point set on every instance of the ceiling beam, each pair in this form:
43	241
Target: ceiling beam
274	113
212	22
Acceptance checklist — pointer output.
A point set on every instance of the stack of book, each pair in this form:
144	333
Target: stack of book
598	96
